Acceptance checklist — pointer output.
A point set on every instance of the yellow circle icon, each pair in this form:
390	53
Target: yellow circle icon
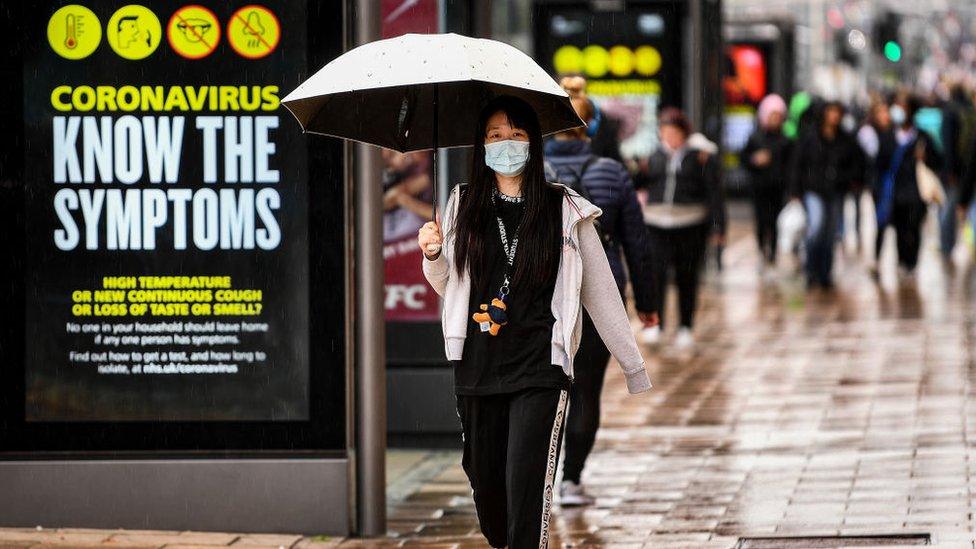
253	31
133	32
621	61
647	60
193	32
74	32
568	59
595	61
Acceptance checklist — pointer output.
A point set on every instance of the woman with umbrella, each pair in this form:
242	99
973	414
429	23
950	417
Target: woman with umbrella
517	260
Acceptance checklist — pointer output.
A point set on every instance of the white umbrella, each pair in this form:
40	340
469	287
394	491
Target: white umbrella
424	91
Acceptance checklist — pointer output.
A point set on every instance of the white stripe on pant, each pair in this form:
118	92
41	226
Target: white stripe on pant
511	448
551	463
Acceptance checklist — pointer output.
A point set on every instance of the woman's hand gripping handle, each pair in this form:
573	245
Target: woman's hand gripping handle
430	240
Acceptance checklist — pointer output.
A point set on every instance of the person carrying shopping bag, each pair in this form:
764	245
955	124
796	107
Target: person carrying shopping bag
518	260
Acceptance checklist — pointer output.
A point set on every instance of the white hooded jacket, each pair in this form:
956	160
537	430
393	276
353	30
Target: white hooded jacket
584	280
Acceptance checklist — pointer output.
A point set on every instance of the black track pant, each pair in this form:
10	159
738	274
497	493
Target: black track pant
589	369
767	203
682	250
907	221
511	448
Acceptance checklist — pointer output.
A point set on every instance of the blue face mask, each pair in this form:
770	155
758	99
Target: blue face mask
507	157
897	115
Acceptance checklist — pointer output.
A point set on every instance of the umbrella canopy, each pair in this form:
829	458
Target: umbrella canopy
393	92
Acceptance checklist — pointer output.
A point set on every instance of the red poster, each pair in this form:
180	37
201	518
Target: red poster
403	16
407	193
408	295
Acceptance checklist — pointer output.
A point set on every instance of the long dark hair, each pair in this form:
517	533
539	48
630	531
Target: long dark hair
541	220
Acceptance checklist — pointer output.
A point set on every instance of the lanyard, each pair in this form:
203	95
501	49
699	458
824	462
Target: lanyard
509	250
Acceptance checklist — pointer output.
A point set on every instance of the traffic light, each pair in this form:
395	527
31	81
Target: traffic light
844	50
886	37
892	51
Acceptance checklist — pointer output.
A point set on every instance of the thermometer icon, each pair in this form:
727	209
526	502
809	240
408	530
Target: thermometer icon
70	40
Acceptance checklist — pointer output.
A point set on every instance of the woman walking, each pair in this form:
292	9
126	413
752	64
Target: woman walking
685	206
897	196
876	133
605	182
766	157
518	259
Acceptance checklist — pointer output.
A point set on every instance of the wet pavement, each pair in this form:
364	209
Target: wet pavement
842	413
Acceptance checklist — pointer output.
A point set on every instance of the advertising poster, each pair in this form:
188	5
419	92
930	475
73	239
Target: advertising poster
407	191
630	61
744	85
167	274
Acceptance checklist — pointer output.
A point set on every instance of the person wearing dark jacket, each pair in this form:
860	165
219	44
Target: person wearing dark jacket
602	129
766	157
896	190
606	183
685	206
958	131
826	164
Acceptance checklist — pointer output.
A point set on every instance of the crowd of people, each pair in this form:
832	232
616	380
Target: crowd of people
908	151
661	213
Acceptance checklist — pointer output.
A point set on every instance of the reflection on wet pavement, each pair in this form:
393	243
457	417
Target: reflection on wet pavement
802	413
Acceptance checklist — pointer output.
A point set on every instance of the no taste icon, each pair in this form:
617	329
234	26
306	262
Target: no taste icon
253	31
193	32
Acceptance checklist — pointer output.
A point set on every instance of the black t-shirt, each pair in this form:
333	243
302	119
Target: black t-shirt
520	356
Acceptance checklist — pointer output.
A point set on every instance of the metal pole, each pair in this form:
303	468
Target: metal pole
697	58
370	324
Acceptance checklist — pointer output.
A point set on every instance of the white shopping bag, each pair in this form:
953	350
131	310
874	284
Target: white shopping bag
791	224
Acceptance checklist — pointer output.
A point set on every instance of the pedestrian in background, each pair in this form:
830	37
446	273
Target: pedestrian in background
766	157
684	207
606	184
876	130
518	259
958	134
602	129
707	149
825	166
900	203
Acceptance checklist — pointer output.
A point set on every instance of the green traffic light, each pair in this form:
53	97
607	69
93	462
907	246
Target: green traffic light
892	51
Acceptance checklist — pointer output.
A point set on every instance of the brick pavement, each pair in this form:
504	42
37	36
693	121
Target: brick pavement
41	538
840	413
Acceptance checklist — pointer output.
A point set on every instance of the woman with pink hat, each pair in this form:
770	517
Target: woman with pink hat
766	158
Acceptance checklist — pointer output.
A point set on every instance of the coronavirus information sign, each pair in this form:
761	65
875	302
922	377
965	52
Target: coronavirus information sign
166	255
